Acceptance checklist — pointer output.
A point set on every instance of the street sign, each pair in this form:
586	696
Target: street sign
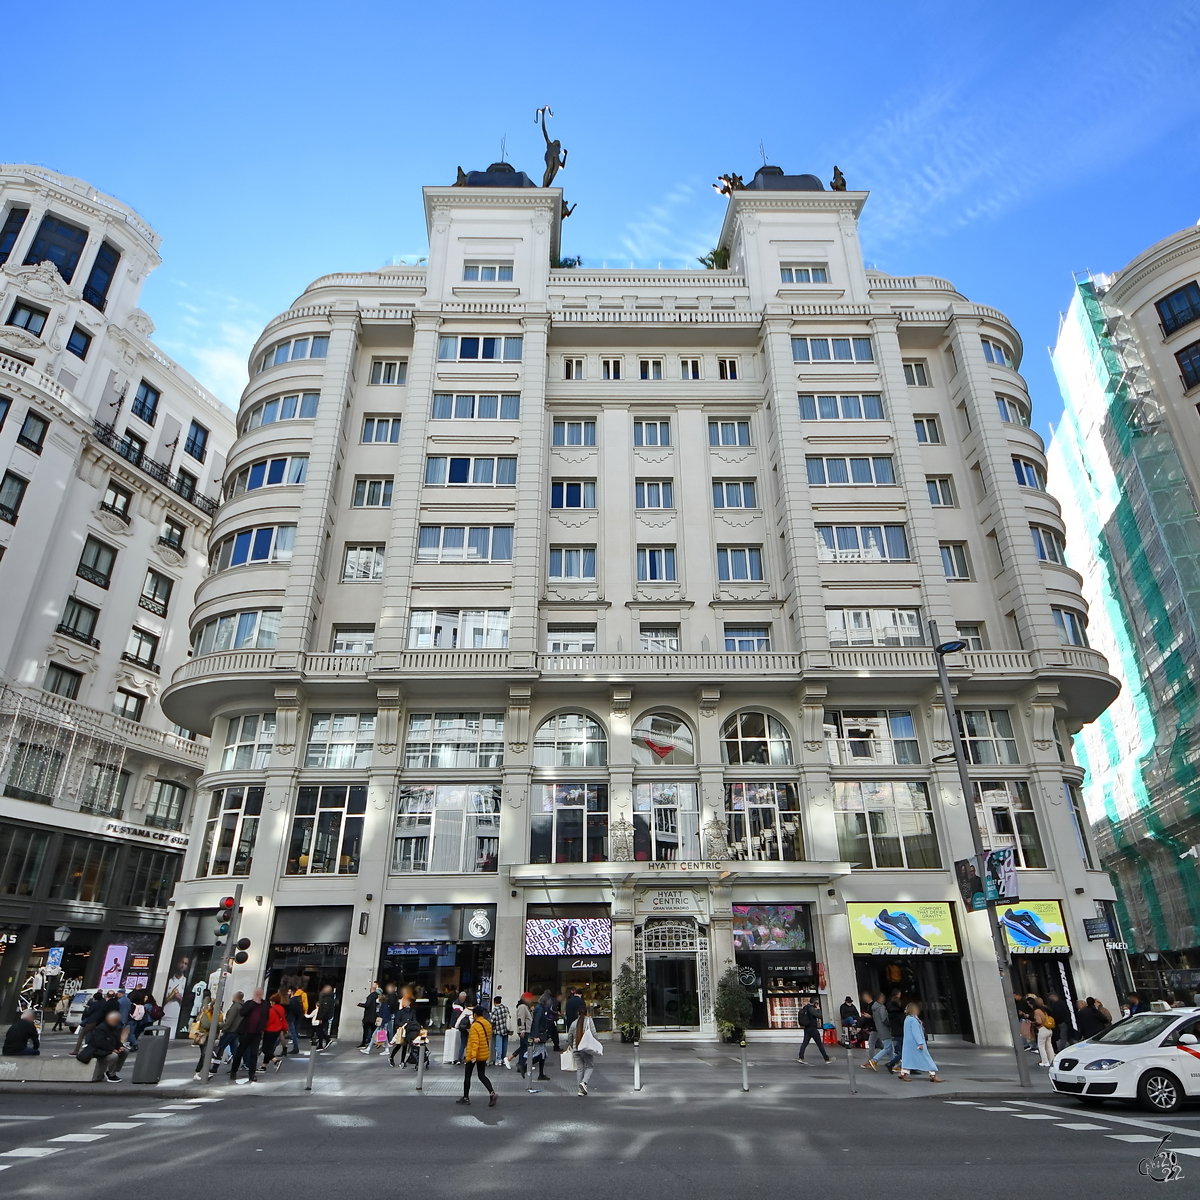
1098	928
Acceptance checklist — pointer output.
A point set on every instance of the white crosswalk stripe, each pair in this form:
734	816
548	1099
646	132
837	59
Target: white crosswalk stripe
1133	1137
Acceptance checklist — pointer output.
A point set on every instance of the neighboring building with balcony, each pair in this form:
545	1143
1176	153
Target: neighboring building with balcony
1127	455
110	455
558	616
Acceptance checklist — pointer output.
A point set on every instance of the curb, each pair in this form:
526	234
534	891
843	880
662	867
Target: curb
99	1088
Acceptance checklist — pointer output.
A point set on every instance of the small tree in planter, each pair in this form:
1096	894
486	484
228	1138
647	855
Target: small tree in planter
629	1000
733	1008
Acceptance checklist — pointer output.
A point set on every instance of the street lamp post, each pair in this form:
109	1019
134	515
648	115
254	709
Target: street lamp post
940	650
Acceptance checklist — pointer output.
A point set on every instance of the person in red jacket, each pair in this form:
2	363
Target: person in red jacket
276	1027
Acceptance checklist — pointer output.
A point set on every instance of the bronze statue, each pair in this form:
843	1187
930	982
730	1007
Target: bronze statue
566	212
461	181
553	164
728	184
838	182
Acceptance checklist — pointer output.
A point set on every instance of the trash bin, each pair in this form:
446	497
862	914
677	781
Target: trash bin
151	1057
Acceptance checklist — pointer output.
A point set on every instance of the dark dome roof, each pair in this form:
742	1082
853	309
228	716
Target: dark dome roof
772	179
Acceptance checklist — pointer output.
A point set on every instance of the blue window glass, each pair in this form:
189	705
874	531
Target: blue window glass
299	348
485	470
506	472
1189	364
851	408
872	408
257	474
270	412
447	348
491	348
13	224
556	495
800	349
246	625
841	350
281	354
897	543
59	243
816	471
862	350
468	347
808	408
100	278
512	349
442	402
883	470
460	471
827	406
502	537
262	544
1180	308
510	408
819	348
241	548
478	543
429	539
78	342
464	408
320	347
274	471
836	468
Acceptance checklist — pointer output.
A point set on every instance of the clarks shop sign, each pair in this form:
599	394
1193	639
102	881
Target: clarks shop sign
150	835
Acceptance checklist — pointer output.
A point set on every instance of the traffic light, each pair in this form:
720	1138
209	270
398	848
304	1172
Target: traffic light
224	916
243	944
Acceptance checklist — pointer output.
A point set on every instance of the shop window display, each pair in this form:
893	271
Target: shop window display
666	822
570	824
775	961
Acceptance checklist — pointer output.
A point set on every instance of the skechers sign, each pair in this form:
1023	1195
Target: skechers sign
911	927
1034	927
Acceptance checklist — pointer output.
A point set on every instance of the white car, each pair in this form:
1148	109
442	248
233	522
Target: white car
1152	1057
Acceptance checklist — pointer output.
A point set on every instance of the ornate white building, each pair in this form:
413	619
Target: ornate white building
559	616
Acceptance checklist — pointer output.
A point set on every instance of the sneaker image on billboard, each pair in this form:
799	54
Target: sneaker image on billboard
1023	927
900	929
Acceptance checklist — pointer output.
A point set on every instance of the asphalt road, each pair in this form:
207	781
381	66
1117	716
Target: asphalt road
664	1144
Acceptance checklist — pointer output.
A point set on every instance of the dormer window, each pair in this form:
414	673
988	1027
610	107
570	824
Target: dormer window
493	272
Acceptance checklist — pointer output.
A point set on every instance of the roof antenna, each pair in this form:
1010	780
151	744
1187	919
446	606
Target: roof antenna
503	144
763	151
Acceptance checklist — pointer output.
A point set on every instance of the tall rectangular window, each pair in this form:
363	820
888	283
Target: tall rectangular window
340	741
689	368
763	822
1029	474
327	830
62	681
666	822
12	493
1071	626
145	403
150	877
885	824
989	737
141	648
84	870
129	705
1004	810
96	562
34	771
569	823
249	741
941	491
100	278
915	373
656	564
739	563
22	853
14	222
104	790
927	430
573	368
1048	544
33	432
1175	310
59	242
1189	365
1079	817
231	831
197	442
79	621
79	342
955	563
996	353
447	829
28	317
164	810
572	493
610	368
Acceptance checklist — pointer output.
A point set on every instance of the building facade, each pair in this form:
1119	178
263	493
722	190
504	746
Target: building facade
562	617
108	456
1127	454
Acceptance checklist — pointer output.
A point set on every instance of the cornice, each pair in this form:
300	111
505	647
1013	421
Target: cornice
748	201
1179	245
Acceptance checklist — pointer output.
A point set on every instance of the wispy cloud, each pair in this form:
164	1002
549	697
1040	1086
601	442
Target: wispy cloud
675	230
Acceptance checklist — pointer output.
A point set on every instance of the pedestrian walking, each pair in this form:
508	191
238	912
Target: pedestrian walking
555	1017
476	1054
1092	1018
276	1028
540	1026
915	1055
1025	1016
1060	1010
1043	1025
896	1018
500	1032
882	1039
107	1043
523	1018
296	1006
575	1005
322	1018
408	1029
462	1025
198	1036
250	1034
810	1023
370	1017
231	1023
61	1007
584	1045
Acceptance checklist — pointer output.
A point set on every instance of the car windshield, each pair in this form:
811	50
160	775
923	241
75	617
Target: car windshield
1143	1027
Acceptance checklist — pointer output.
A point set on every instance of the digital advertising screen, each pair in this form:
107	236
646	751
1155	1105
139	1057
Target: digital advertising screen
1034	927
770	927
568	935
907	927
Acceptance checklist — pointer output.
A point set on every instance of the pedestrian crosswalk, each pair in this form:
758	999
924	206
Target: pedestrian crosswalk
1111	1126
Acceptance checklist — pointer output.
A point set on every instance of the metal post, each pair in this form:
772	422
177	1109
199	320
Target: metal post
312	1063
420	1044
235	920
850	1066
745	1071
637	1066
964	779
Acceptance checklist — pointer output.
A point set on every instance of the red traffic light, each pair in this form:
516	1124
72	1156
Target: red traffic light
227	904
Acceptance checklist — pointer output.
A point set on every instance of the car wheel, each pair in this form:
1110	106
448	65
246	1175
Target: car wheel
1159	1091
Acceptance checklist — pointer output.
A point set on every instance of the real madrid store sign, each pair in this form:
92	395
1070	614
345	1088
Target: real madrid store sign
912	946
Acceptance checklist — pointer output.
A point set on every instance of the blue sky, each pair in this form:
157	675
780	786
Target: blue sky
1005	147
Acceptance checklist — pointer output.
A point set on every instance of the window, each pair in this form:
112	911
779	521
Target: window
59	243
941	491
452	740
653	493
1029	474
1012	411
1189	365
79	621
10	230
570	739
574	433
458	629
327	830
128	705
34	772
447	407
650	368
185	483
793	274
84	870
33	432
381	429
100	278
755	738
448	829
568	493
12	492
372	493
989	736
572	824
862	543
927	430
27	317
734	493
729	433
1004	810
269	472
5	405
117	501
886	736
727	368
840	408
362	563
915	374
62	681
689	368
150	877
79	342
610	368
96	563
172	534
1175	310
739	563
1071	625
104	790
572	562
164	810
832	350
353	639
824	472
389	371
874	627
230	831
22	852
300	405
652	433
266	543
666	822
1079	816
573	368
885	823
747	639
463	543
141	648
570	639
655	564
1048	544
470	472
996	353
132	447
197	442
248	742
763	820
954	560
972	634
316	346
257	629
500	272
658	639
339	741
495	349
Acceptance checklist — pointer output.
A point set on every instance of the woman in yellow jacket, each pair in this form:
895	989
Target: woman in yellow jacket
477	1054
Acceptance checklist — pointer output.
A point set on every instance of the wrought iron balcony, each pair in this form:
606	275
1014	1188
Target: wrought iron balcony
140	662
159	610
78	634
120	514
92	575
8	514
108	436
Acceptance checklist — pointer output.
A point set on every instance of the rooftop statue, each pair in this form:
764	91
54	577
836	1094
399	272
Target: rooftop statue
553	164
838	182
567	211
728	184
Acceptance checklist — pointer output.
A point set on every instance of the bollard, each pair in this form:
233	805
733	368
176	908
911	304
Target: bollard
745	1070
420	1045
637	1066
312	1062
850	1068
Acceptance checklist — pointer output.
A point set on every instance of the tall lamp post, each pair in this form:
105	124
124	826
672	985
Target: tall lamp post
940	650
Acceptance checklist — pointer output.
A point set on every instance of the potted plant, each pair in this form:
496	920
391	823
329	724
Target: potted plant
733	1007
629	1000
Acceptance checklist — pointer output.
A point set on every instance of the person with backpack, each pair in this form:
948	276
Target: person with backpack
462	1026
810	1022
1043	1024
476	1054
295	1006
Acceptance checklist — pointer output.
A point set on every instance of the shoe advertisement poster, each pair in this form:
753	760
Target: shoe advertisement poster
1034	927
907	927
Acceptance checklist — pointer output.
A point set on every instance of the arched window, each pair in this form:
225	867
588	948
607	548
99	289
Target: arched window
570	740
659	739
755	738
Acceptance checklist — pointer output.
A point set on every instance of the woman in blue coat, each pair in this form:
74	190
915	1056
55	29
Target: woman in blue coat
915	1055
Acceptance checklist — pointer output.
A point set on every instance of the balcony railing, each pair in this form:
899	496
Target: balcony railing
140	662
147	412
92	575
108	436
171	543
119	513
159	610
1179	319
196	447
96	299
8	514
29	443
78	634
